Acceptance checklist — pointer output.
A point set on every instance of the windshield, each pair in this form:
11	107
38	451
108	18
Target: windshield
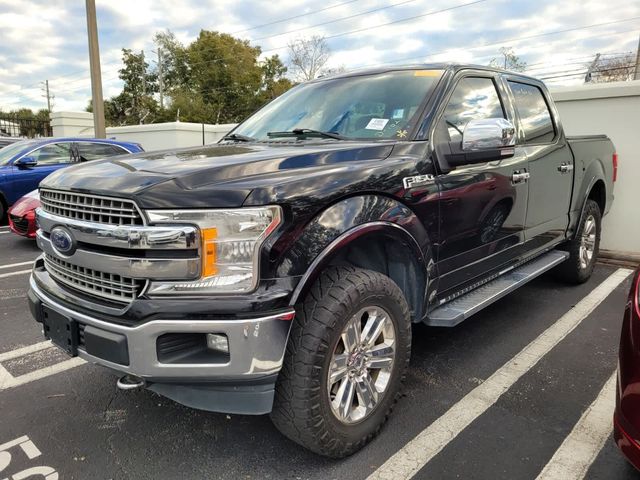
383	105
10	151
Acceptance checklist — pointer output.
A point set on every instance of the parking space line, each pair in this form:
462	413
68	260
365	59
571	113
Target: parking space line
43	372
19	352
578	451
405	463
16	264
8	381
11	274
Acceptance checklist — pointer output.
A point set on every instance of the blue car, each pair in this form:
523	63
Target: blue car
25	163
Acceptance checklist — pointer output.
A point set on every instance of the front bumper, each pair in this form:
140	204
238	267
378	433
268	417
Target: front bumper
256	351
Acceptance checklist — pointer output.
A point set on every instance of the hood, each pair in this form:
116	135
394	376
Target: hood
220	175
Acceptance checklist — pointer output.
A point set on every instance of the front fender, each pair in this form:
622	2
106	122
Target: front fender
347	221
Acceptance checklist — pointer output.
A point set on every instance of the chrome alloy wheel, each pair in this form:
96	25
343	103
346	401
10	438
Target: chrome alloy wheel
361	365
588	242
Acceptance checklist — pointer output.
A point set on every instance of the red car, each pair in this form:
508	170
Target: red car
626	419
22	215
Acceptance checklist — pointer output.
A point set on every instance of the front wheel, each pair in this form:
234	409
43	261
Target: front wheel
345	362
583	248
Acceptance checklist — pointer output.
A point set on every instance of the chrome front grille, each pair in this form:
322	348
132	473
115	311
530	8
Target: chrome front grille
108	286
90	208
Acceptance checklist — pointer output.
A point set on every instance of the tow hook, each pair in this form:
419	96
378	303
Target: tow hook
130	382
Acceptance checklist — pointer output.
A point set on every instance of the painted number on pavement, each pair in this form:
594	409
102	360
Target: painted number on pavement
29	449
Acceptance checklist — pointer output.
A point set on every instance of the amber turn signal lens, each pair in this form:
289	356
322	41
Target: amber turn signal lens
209	236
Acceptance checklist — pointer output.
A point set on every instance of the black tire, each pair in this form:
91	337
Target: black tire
302	409
574	270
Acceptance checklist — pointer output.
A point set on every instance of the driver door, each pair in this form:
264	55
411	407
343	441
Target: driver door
482	205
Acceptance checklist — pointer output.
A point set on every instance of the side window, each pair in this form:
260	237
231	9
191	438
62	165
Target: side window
534	113
94	151
473	98
52	154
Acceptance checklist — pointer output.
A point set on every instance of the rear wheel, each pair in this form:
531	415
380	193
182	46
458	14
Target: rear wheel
583	248
345	362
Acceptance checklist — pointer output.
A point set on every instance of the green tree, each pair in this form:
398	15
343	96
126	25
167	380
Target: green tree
175	61
226	73
215	79
274	82
139	86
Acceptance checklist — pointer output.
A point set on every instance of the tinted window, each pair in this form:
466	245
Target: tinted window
52	154
473	99
534	113
93	151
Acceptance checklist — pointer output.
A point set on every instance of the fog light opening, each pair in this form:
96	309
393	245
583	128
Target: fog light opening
218	342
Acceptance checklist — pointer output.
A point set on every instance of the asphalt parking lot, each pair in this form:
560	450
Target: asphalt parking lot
64	416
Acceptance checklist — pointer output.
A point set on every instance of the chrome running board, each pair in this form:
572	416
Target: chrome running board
459	309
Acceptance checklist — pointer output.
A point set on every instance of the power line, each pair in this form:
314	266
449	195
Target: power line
547	64
502	42
292	18
582	72
334	21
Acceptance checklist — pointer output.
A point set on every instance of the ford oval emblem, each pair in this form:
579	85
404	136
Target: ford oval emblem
62	241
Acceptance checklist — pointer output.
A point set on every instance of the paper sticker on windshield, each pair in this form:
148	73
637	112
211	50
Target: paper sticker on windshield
426	73
377	124
398	113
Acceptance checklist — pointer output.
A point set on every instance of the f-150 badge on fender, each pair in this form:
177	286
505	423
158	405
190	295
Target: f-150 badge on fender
417	181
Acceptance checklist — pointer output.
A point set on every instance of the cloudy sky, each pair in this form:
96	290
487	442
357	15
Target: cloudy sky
46	39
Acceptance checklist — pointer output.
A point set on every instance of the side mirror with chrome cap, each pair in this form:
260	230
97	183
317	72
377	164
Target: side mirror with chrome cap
483	140
488	133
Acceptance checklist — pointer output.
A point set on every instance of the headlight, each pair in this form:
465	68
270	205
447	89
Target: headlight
230	248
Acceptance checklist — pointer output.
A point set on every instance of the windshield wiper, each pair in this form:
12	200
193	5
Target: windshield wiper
238	137
301	132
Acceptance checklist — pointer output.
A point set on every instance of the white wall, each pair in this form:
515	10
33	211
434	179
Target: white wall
612	109
159	136
156	136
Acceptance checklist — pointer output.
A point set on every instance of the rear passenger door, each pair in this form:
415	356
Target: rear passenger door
550	164
482	206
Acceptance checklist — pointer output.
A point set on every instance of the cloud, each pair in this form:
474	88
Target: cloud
48	40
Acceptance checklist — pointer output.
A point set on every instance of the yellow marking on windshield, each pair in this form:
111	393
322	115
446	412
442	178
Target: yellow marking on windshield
427	73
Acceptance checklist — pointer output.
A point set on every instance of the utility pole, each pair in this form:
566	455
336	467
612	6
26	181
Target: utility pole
144	75
160	82
592	67
636	75
47	94
96	76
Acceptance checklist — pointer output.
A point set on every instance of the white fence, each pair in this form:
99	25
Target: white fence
612	109
156	136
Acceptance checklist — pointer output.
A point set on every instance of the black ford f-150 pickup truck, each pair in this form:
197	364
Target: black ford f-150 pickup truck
280	270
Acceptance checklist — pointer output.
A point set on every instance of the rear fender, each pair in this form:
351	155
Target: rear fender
595	172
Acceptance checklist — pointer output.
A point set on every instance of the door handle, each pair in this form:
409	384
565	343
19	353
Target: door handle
565	168
520	177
